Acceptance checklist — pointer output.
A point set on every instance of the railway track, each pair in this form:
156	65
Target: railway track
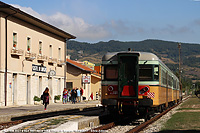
126	124
135	127
9	124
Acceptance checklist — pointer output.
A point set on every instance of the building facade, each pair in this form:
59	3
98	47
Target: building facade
81	76
32	57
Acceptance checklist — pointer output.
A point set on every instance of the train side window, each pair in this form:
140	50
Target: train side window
111	72
164	77
156	72
174	83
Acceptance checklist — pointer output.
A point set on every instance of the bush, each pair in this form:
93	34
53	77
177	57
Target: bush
57	97
36	98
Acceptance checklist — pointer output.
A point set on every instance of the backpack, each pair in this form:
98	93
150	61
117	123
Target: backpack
42	97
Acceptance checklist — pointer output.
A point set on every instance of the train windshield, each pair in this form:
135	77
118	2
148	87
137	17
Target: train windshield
110	72
148	72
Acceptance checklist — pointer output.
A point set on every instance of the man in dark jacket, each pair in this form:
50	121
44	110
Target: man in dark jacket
73	95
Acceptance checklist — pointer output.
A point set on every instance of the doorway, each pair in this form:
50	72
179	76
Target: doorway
14	83
128	75
28	89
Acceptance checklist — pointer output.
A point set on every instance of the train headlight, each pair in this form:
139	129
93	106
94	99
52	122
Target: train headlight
143	90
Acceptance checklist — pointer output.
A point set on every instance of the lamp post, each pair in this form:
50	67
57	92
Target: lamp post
179	47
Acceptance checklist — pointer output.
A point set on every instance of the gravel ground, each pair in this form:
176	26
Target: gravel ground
154	127
120	129
159	124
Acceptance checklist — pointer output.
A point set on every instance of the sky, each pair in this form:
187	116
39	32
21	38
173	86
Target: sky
123	20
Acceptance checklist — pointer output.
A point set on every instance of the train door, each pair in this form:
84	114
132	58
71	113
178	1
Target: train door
128	75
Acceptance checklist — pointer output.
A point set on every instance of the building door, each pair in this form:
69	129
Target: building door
50	86
14	82
59	87
28	89
40	85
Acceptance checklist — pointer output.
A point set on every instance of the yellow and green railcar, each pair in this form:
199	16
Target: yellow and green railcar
135	81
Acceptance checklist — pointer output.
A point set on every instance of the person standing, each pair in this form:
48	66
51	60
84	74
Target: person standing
81	91
73	96
65	93
91	96
46	96
78	95
69	96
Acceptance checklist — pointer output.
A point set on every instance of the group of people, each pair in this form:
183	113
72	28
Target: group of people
74	95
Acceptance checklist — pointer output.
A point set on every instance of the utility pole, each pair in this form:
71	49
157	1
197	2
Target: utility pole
179	47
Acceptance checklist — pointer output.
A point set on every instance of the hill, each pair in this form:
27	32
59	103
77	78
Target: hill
167	51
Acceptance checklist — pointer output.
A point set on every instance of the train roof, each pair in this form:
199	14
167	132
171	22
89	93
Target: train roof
142	55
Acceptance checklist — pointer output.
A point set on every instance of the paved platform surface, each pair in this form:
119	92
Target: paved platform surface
7	113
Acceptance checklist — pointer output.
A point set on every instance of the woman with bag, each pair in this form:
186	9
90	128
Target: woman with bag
65	93
46	96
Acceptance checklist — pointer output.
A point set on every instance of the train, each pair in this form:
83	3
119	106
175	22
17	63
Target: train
137	82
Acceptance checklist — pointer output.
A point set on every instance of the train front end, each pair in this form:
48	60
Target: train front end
120	89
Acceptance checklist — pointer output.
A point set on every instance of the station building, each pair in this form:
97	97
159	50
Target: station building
32	56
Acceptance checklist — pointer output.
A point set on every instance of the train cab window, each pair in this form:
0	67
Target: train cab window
145	72
110	72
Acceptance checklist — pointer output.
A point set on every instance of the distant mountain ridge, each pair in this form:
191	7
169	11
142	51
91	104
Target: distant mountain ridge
167	51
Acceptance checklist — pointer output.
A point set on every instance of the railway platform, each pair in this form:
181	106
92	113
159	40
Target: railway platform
23	112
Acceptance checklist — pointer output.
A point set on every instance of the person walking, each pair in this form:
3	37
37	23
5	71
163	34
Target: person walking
46	96
73	96
78	95
65	93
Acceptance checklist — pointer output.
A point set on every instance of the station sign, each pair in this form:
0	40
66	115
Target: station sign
86	79
37	68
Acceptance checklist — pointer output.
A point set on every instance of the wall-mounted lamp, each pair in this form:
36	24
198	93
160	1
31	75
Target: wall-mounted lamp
62	63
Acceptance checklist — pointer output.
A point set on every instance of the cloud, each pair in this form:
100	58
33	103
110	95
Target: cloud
77	26
170	29
73	25
113	29
28	10
197	22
